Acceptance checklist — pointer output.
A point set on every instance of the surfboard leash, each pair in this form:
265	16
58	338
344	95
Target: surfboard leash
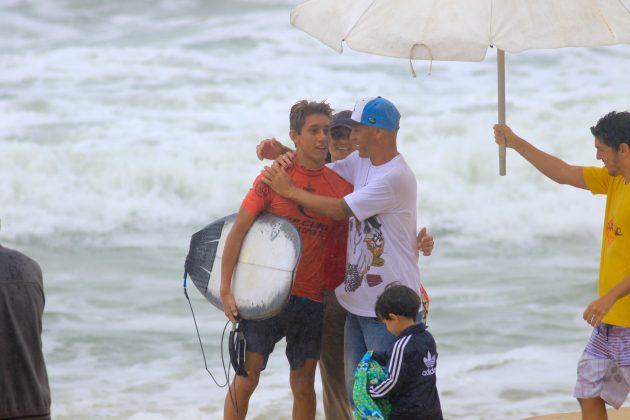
236	347
203	353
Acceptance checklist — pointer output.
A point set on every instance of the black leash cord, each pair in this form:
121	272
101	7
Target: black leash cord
227	376
226	371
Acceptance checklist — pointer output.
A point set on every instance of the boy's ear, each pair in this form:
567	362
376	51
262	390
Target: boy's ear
293	135
393	317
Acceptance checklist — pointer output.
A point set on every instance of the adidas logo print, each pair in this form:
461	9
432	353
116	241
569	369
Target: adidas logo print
429	362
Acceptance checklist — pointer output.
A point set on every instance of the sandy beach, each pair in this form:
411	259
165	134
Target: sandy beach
622	414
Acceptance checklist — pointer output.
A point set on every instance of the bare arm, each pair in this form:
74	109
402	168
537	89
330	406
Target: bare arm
549	165
231	251
271	149
596	310
281	183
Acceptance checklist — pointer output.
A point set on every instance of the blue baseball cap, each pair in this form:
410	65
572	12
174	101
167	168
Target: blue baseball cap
376	112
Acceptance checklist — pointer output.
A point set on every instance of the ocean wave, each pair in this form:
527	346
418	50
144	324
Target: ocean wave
133	126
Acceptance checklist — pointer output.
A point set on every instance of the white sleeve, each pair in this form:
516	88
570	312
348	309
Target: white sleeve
346	167
378	196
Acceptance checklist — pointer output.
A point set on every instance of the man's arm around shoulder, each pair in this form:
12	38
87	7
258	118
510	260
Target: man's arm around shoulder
281	183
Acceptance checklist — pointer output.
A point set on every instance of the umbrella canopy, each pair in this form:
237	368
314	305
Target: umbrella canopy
462	30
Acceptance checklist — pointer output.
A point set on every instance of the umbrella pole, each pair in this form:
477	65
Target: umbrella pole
501	92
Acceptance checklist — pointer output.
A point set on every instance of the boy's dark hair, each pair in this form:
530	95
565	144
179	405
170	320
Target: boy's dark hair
303	109
613	129
397	299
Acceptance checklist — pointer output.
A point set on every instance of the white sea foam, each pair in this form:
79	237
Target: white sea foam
141	138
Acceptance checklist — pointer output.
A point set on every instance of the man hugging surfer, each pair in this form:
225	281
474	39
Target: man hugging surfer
382	247
300	322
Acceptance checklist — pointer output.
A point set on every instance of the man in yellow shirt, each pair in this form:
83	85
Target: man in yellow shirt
604	369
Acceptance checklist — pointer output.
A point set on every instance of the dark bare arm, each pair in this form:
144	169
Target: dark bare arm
549	165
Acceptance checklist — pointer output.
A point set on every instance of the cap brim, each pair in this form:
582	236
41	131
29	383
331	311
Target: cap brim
344	122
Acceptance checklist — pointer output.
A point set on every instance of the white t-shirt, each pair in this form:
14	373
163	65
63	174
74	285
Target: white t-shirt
382	245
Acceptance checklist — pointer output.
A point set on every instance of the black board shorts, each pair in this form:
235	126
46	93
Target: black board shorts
300	322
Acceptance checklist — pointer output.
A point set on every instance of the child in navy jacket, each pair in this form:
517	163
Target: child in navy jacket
412	360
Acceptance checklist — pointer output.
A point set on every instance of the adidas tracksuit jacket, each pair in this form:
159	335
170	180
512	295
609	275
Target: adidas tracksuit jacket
410	387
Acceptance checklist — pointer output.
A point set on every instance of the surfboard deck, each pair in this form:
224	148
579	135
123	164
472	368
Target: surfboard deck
265	270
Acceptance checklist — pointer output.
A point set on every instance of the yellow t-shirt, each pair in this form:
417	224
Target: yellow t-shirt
615	260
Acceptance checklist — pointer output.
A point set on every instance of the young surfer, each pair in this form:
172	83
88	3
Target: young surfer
300	322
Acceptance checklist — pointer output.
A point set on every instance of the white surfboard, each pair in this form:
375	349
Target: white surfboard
264	274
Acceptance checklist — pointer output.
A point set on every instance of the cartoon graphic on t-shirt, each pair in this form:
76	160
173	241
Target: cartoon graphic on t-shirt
375	241
369	244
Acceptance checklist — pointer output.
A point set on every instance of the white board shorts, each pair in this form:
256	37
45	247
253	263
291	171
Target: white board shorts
603	370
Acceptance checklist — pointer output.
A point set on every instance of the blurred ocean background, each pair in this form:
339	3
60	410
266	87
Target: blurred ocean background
126	126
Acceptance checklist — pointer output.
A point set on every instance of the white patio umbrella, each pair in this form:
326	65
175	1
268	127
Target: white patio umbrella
462	30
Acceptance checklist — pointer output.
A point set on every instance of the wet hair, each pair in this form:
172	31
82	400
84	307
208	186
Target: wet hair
399	300
304	108
613	129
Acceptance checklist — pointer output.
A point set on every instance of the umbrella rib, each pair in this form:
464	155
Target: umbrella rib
623	4
358	20
603	18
